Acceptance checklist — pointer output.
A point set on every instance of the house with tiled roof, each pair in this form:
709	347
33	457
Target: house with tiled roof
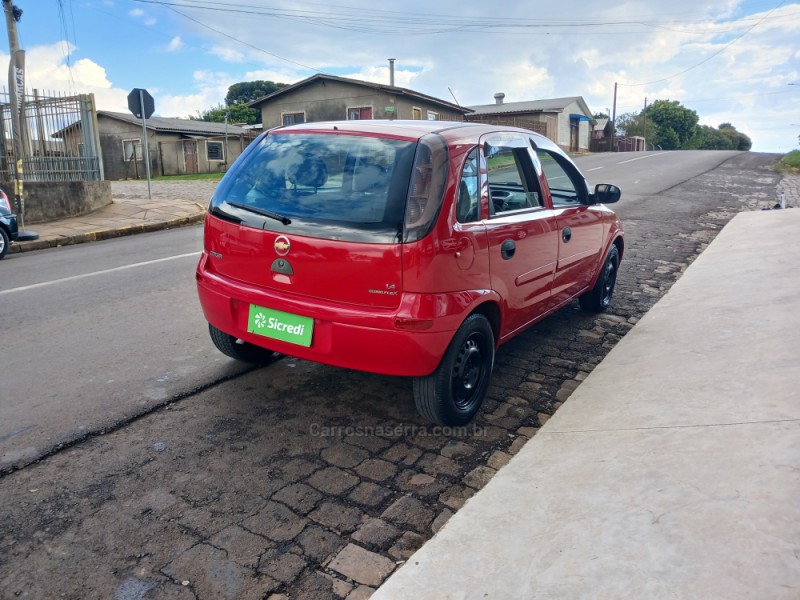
176	146
567	121
331	98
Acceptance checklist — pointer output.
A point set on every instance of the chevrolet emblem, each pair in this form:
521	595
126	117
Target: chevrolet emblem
282	245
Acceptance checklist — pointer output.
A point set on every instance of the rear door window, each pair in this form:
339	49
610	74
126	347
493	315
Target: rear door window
512	184
333	186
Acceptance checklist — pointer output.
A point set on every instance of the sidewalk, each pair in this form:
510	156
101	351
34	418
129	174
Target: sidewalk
673	471
173	204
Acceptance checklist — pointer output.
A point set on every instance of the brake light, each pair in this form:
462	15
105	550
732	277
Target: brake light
4	200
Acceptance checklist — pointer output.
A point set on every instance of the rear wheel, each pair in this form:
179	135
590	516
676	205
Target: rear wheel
5	242
240	350
599	298
454	392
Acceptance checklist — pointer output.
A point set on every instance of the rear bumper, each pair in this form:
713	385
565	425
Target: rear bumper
363	339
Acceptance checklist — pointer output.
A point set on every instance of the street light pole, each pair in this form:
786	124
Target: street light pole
16	84
644	133
614	119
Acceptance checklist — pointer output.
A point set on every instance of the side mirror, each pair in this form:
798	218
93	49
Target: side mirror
606	193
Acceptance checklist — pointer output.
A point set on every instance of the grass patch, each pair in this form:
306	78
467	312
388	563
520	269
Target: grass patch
197	177
790	163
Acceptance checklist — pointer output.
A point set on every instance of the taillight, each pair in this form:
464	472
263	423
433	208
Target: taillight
428	178
4	200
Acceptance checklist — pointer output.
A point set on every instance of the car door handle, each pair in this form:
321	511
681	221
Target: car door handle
507	249
566	234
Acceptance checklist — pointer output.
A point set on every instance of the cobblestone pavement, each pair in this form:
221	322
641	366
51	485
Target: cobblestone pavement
303	481
198	190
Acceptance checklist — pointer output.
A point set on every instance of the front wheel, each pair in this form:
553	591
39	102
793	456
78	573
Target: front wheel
238	349
454	392
599	297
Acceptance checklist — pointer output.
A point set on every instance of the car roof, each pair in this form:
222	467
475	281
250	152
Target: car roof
453	131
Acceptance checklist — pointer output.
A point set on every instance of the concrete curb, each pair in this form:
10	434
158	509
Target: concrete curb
104	234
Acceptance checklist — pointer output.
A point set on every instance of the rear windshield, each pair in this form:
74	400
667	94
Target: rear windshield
333	186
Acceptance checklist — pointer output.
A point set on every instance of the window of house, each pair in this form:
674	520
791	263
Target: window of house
215	151
132	150
294	118
433	116
416	113
359	113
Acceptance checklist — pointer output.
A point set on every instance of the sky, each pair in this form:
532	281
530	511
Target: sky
729	60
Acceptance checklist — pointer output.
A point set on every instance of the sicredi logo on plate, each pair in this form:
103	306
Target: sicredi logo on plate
280	325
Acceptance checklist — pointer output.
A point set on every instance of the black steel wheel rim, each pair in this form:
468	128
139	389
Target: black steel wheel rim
609	281
468	371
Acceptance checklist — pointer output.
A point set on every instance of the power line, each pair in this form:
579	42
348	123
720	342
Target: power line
708	58
404	23
288	60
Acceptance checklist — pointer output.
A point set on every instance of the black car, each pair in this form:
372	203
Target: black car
8	225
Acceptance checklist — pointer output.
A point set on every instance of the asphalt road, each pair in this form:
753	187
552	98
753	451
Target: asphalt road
98	336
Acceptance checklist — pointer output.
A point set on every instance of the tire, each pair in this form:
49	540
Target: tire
243	351
5	243
454	392
599	297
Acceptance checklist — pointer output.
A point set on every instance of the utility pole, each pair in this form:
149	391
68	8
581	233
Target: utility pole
644	114
614	118
16	85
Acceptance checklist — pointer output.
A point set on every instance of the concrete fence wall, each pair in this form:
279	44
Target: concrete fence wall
48	201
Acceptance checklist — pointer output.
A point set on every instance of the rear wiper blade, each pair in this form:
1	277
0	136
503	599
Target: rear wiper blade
261	211
218	212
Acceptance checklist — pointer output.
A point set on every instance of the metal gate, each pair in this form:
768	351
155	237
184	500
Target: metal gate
59	138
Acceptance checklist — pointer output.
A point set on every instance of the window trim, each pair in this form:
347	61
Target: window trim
221	151
418	111
479	217
360	107
434	113
518	144
292	113
138	150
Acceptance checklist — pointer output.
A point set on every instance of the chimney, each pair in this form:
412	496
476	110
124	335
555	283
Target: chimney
498	97
391	72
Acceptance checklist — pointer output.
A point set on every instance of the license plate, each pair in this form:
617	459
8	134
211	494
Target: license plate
279	325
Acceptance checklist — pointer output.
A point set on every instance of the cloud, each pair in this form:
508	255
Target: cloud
175	44
688	50
228	54
138	13
402	78
210	90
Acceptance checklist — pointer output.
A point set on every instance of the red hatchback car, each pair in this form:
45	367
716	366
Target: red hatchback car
405	248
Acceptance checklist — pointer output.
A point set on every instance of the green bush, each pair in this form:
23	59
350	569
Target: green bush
790	163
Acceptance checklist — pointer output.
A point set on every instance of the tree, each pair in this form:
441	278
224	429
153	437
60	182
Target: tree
671	126
600	115
236	100
247	91
630	124
675	124
739	141
237	113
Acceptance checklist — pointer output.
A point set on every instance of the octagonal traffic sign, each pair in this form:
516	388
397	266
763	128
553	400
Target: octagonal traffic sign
140	101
